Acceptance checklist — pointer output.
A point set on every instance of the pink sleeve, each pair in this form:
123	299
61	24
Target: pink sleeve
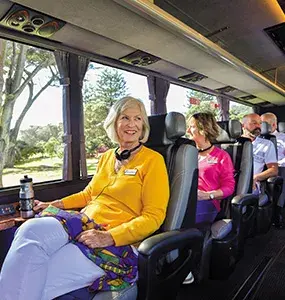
227	181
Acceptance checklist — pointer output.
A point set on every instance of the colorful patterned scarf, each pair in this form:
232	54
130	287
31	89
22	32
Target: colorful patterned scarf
119	263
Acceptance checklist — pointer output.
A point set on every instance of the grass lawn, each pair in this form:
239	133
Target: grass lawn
40	169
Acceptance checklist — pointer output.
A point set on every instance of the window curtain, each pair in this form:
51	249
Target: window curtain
62	60
158	90
224	108
63	63
83	64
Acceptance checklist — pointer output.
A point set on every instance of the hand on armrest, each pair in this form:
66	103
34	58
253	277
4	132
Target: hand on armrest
39	205
168	241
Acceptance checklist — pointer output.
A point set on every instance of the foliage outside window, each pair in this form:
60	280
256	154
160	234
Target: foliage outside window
238	111
30	115
208	103
189	102
103	86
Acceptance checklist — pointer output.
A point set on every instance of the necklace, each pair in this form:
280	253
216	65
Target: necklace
203	150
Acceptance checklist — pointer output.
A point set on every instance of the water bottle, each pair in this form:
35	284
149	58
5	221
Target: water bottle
26	196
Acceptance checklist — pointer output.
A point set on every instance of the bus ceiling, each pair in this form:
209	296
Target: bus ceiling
141	33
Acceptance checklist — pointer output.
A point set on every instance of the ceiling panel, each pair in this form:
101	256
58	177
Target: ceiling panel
107	28
245	22
71	35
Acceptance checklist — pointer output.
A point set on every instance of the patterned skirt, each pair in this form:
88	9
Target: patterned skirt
119	263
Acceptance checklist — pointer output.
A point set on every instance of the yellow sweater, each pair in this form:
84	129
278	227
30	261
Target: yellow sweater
134	206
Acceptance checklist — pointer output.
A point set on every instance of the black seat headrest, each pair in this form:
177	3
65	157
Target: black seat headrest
166	128
229	130
265	128
281	127
235	129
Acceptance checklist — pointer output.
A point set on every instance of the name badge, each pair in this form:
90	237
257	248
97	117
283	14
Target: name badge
130	172
212	161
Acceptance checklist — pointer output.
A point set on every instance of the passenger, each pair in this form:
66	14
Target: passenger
216	171
264	153
124	203
271	119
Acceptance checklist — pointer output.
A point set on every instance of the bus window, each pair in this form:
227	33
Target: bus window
31	115
237	110
103	86
188	101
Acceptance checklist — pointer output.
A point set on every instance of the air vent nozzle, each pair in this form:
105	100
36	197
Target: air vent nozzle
226	89
192	77
248	97
140	58
32	22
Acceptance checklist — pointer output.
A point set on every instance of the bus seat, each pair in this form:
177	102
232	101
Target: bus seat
281	127
224	239
272	188
240	150
166	258
239	210
266	134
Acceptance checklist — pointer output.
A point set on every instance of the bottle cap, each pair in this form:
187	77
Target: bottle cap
26	179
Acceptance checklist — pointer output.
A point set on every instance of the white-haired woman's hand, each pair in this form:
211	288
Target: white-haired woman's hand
39	205
95	239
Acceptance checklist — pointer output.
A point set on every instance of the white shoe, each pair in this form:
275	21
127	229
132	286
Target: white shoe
189	279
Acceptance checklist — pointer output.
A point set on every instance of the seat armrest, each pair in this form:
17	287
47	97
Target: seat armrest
159	278
244	209
275	180
274	188
168	241
245	200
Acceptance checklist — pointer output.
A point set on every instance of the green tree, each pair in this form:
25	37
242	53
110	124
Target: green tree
33	141
200	95
206	103
25	151
52	146
35	134
19	67
109	87
237	111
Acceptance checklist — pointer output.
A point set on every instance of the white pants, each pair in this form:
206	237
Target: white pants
41	264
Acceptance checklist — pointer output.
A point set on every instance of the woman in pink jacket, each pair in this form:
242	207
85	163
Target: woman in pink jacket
216	171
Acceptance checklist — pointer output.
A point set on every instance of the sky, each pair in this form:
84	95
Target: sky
47	109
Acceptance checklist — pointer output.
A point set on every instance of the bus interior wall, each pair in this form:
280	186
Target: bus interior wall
279	111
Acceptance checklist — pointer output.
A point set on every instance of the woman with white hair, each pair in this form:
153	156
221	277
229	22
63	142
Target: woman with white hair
124	203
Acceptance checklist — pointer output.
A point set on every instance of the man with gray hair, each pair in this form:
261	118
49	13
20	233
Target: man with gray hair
264	153
271	119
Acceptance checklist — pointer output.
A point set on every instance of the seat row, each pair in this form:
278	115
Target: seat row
167	257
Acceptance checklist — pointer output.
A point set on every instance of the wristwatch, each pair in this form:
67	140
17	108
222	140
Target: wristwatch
212	196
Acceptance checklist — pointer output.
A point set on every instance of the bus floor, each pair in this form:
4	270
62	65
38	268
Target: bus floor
260	273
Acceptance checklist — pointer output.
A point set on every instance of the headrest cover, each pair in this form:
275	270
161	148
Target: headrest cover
265	128
223	136
175	125
235	129
281	127
229	130
157	135
166	128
